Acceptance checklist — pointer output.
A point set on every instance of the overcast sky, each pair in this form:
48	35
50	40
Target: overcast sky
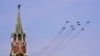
43	19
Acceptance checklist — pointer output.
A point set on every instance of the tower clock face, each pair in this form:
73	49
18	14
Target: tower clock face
19	54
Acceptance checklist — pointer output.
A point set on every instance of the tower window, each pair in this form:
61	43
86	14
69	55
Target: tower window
24	37
14	36
19	36
20	54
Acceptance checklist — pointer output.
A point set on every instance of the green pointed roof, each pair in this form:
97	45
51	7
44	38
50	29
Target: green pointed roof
19	28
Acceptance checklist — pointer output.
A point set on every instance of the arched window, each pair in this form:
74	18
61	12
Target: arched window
19	36
14	36
24	36
20	54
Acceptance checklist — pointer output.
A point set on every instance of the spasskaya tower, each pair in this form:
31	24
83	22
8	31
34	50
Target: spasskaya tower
18	42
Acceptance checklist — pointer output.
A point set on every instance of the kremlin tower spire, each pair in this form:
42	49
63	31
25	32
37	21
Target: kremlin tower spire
18	43
19	24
